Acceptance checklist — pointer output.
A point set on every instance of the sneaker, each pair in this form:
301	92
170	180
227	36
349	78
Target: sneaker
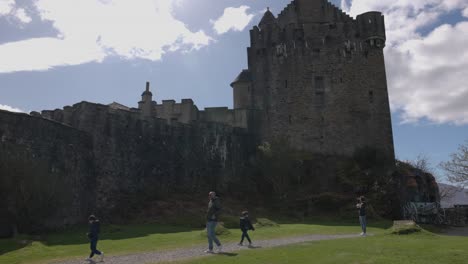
219	249
102	257
89	259
363	234
209	251
240	244
251	245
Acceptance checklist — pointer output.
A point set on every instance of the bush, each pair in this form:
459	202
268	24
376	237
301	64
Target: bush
405	228
265	222
221	230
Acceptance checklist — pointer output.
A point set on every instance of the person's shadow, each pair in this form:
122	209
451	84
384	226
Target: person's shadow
93	261
254	247
229	254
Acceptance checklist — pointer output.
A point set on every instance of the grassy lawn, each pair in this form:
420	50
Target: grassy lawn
423	248
118	240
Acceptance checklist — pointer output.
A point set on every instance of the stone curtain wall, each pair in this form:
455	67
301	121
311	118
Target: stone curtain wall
140	160
47	173
114	162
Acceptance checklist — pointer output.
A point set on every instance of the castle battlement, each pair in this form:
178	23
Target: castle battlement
315	76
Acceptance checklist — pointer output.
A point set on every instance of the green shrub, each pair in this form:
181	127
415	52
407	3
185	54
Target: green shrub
405	228
265	222
221	230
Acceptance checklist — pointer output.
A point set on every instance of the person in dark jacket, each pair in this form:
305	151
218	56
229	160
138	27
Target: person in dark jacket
93	235
245	225
212	217
361	205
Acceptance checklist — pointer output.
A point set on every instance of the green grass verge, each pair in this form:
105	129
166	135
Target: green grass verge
118	240
417	248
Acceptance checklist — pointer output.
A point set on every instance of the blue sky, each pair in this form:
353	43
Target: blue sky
55	53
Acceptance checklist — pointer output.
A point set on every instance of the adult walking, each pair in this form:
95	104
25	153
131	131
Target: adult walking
214	209
93	235
361	205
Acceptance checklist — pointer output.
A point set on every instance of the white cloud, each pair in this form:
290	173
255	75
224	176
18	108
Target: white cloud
21	15
10	108
233	18
465	12
427	74
6	6
345	6
92	30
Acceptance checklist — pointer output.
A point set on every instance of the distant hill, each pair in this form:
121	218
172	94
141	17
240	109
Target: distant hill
451	195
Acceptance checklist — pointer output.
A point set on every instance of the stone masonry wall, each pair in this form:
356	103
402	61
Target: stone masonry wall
149	158
37	155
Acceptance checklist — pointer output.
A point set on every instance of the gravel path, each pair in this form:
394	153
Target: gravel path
186	253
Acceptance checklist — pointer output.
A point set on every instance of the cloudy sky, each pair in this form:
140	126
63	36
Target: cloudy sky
59	52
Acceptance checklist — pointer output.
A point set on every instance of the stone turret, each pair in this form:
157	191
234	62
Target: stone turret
267	19
242	91
371	28
146	105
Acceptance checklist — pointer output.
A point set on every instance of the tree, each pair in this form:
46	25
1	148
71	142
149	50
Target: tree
457	167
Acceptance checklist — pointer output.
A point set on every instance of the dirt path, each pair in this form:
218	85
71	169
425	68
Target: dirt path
181	254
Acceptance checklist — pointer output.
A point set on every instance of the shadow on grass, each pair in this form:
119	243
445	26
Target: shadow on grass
7	245
336	221
77	235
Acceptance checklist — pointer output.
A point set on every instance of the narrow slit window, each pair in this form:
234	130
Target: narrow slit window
371	96
319	91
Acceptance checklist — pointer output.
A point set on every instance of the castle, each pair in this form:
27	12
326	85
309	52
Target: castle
315	76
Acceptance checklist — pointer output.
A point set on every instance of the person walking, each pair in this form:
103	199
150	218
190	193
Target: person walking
245	226
214	209
361	205
93	235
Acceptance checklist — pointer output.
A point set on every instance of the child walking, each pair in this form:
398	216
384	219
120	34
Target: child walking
93	235
245	226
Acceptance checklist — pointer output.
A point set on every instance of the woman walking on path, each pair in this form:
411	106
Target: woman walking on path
93	235
214	208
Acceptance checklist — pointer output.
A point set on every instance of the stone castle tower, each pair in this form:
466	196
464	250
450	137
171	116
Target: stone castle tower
317	77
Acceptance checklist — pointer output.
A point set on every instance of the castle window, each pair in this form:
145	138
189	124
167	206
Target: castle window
371	96
370	21
290	119
319	91
319	85
316	53
285	83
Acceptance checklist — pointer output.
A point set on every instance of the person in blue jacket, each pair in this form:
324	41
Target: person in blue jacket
93	235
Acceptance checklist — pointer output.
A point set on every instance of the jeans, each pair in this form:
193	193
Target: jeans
245	235
211	232
363	221
93	246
